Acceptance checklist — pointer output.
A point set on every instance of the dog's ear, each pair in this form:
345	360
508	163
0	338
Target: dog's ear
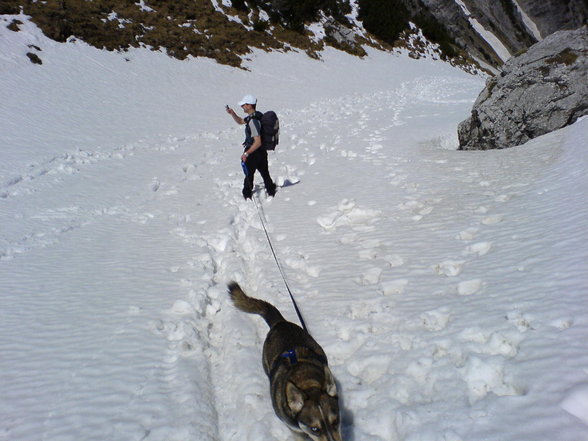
295	397
330	384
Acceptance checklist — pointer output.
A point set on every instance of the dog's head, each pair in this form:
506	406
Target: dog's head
316	405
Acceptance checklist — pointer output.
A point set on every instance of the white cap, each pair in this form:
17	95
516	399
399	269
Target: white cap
248	99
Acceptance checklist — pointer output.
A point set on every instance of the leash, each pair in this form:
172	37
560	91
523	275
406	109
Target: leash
279	266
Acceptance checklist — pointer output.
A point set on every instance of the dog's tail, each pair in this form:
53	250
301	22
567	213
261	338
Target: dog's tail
254	306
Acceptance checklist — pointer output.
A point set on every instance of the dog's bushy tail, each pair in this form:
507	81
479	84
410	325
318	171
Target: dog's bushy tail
254	306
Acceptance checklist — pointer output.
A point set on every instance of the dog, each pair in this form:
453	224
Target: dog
302	387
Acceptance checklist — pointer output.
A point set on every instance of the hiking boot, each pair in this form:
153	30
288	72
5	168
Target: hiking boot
247	194
271	191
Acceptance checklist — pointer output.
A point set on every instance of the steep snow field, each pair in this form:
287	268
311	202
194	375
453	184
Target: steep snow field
448	288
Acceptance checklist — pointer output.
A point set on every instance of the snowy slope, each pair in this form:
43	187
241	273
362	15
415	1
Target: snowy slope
448	288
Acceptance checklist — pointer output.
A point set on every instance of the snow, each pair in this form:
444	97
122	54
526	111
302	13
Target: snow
576	403
144	7
448	288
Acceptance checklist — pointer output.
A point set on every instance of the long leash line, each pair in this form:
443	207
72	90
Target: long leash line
279	266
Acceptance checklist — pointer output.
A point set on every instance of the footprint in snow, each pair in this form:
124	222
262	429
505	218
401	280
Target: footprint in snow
393	287
521	321
418	209
562	324
487	376
155	184
503	198
491	220
348	214
363	310
370	368
300	263
496	343
370	277
182	307
372	249
468	234
412	205
348	154
469	287
190	172
475	335
309	159
374	148
283	182
395	261
349	239
435	320
449	268
420	370
368	254
327	148
480	248
503	344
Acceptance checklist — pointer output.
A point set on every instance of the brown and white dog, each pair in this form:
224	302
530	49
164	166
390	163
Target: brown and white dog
302	387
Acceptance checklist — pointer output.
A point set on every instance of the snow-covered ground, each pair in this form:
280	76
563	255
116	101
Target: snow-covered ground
448	288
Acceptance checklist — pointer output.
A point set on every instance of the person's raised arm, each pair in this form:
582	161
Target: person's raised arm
236	117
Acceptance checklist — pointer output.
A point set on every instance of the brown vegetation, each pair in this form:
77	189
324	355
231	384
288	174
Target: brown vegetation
184	28
181	28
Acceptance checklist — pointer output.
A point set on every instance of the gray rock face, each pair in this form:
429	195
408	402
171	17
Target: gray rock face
542	90
451	15
554	15
339	33
504	20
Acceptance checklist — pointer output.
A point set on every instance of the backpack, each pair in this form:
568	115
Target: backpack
270	129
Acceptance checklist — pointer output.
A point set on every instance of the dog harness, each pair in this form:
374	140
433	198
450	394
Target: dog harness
291	357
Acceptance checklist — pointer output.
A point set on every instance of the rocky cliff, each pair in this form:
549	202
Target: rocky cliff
494	30
487	30
554	15
540	91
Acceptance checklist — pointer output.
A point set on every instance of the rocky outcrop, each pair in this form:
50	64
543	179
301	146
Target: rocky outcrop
555	15
537	92
459	19
493	30
342	37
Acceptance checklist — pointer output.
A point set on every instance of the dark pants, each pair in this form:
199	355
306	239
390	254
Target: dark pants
257	161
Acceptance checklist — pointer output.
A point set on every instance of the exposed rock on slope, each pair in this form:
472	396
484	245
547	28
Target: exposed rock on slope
537	92
459	19
492	31
556	15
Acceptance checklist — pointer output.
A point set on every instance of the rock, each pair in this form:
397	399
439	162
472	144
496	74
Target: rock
537	92
555	15
342	37
490	24
34	58
339	33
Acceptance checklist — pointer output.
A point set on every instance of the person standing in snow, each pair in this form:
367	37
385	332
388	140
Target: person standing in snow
254	157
